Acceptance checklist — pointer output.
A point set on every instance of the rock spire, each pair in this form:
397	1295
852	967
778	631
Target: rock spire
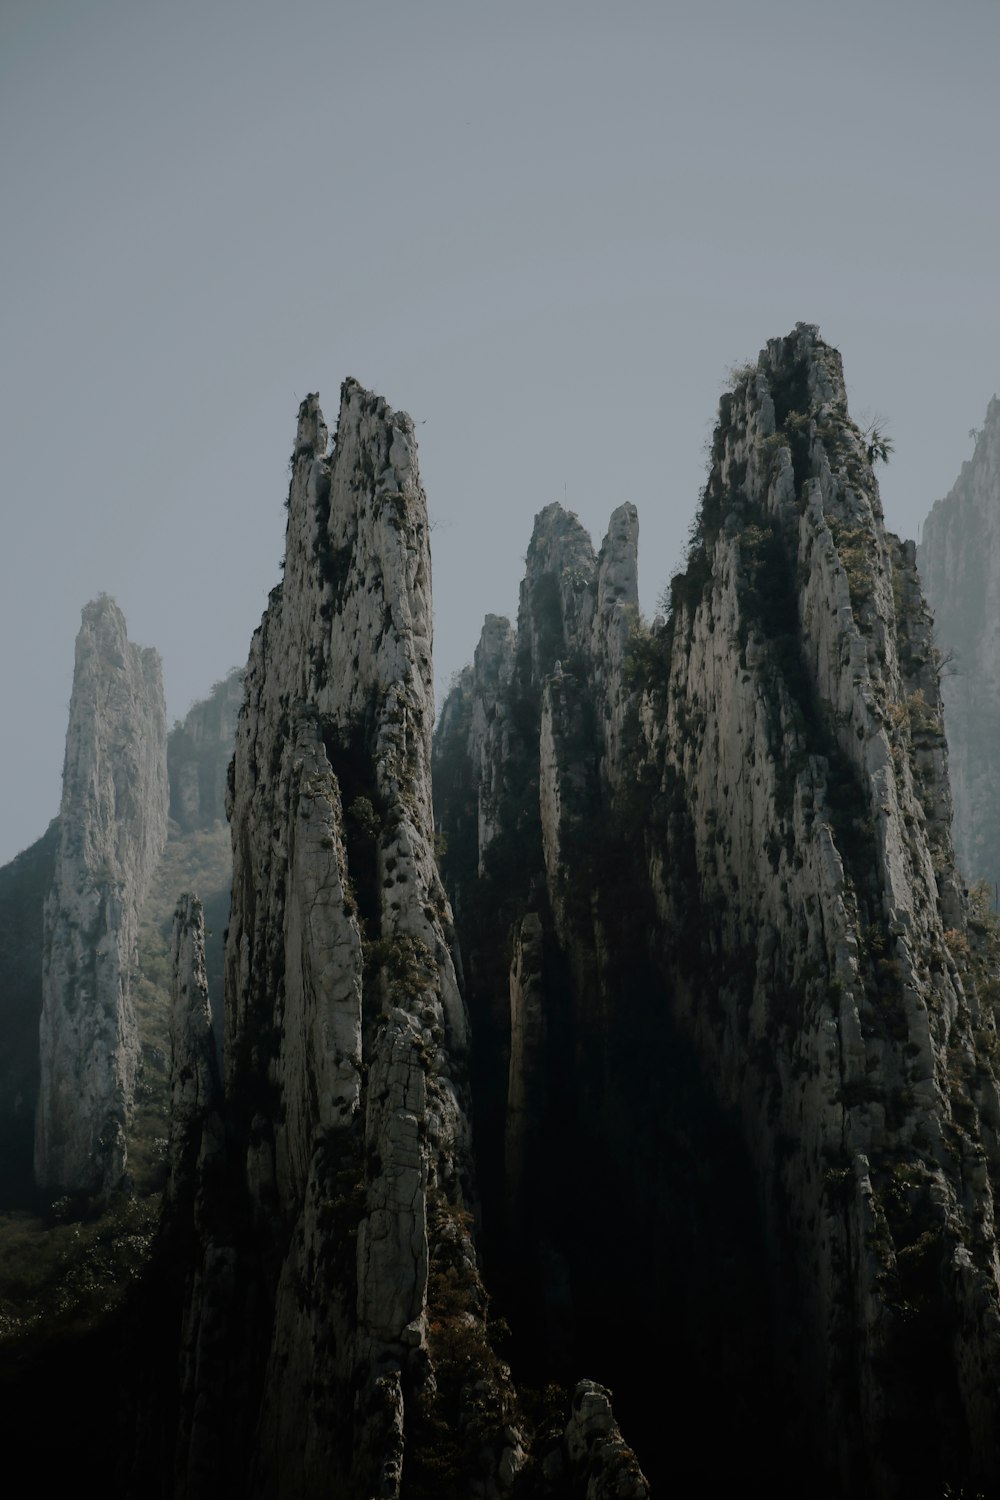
747	998
346	1113
112	828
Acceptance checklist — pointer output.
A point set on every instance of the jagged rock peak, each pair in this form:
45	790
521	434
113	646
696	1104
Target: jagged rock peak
618	561
494	651
959	559
556	603
345	1026
733	828
112	828
801	656
358	565
597	1452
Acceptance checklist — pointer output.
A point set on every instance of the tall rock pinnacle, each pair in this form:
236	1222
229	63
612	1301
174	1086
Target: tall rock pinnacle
345	1027
112	828
704	876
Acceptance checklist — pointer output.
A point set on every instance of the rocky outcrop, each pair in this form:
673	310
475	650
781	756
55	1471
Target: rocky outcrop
112	828
348	1163
199	750
733	829
959	559
801	726
598	1457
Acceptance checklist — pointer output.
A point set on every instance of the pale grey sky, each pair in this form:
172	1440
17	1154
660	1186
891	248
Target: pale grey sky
546	230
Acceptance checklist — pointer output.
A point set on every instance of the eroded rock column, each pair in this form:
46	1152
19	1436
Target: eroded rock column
112	829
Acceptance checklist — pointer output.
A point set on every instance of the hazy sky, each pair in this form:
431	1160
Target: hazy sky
546	230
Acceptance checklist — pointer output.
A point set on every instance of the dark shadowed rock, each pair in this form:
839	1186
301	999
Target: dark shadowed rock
757	1021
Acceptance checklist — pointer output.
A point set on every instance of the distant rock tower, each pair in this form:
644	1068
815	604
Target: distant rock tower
959	561
112	829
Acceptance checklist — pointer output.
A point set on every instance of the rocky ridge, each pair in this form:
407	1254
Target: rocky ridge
959	559
726	839
112	828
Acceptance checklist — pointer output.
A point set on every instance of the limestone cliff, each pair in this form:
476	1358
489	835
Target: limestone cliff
112	828
959	559
747	1004
199	750
339	1281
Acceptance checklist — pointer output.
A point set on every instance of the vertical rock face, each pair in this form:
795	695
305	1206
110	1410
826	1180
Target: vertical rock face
112	828
959	560
345	1029
195	1086
733	830
198	754
827	983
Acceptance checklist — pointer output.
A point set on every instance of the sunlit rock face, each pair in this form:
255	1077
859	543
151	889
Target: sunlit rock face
112	829
746	998
959	558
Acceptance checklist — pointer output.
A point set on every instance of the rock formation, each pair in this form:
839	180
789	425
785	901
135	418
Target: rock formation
112	828
733	1058
349	1164
198	754
749	1017
959	559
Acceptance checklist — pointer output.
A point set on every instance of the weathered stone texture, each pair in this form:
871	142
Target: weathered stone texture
734	828
599	1461
112	828
803	726
195	1085
345	1026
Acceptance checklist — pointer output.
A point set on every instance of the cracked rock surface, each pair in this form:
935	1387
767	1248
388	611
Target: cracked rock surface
348	1155
746	987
